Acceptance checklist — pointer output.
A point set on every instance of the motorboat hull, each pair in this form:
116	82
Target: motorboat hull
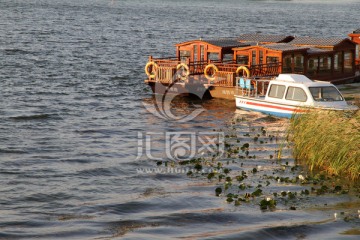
274	109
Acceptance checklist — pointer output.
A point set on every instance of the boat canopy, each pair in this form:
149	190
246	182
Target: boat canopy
295	78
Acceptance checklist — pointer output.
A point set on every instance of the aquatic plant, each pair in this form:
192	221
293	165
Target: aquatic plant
328	140
267	203
198	167
218	191
257	193
211	175
242	186
236	173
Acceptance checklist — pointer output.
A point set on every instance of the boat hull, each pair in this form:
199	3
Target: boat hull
181	89
159	88
222	92
274	109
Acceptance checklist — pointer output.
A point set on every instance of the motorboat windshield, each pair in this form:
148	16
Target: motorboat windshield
325	94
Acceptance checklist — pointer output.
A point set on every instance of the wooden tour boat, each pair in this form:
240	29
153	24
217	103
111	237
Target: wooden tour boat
288	94
209	67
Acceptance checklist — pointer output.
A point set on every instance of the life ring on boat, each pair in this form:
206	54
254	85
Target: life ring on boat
210	71
243	68
186	70
151	69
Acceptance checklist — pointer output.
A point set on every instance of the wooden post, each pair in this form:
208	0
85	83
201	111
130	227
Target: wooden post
318	66
353	52
343	61
188	64
332	63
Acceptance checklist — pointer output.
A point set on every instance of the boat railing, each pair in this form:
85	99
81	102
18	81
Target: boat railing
166	62
226	73
163	58
165	70
268	69
197	67
229	67
165	74
224	79
252	87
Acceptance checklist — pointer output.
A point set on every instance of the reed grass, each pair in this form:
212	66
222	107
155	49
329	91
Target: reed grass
328	140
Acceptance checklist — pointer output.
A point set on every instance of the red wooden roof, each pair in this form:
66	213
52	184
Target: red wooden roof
220	42
284	47
317	41
313	50
257	37
287	47
226	42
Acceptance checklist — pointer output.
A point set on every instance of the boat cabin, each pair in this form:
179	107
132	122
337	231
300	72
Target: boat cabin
219	61
288	94
295	88
323	59
208	50
221	50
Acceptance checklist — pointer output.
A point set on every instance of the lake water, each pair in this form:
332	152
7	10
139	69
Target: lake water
72	115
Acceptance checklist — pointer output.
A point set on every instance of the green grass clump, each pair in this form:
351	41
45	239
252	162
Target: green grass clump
328	140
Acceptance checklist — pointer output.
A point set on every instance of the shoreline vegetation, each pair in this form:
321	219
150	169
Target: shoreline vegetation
328	141
258	168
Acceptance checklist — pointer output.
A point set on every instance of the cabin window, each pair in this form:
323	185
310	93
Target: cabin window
227	57
253	57
202	57
325	65
276	91
338	60
213	56
184	55
329	93
272	59
242	59
296	94
299	63
261	57
357	51
348	61
195	53
287	64
313	65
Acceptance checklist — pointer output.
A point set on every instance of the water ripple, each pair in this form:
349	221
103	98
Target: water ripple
71	109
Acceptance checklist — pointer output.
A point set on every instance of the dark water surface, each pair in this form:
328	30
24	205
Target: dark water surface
71	109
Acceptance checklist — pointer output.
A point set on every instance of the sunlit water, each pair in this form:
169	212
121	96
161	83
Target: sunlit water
71	110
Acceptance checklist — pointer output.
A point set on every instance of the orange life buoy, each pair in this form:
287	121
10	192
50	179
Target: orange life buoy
151	69
214	69
243	68
187	71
